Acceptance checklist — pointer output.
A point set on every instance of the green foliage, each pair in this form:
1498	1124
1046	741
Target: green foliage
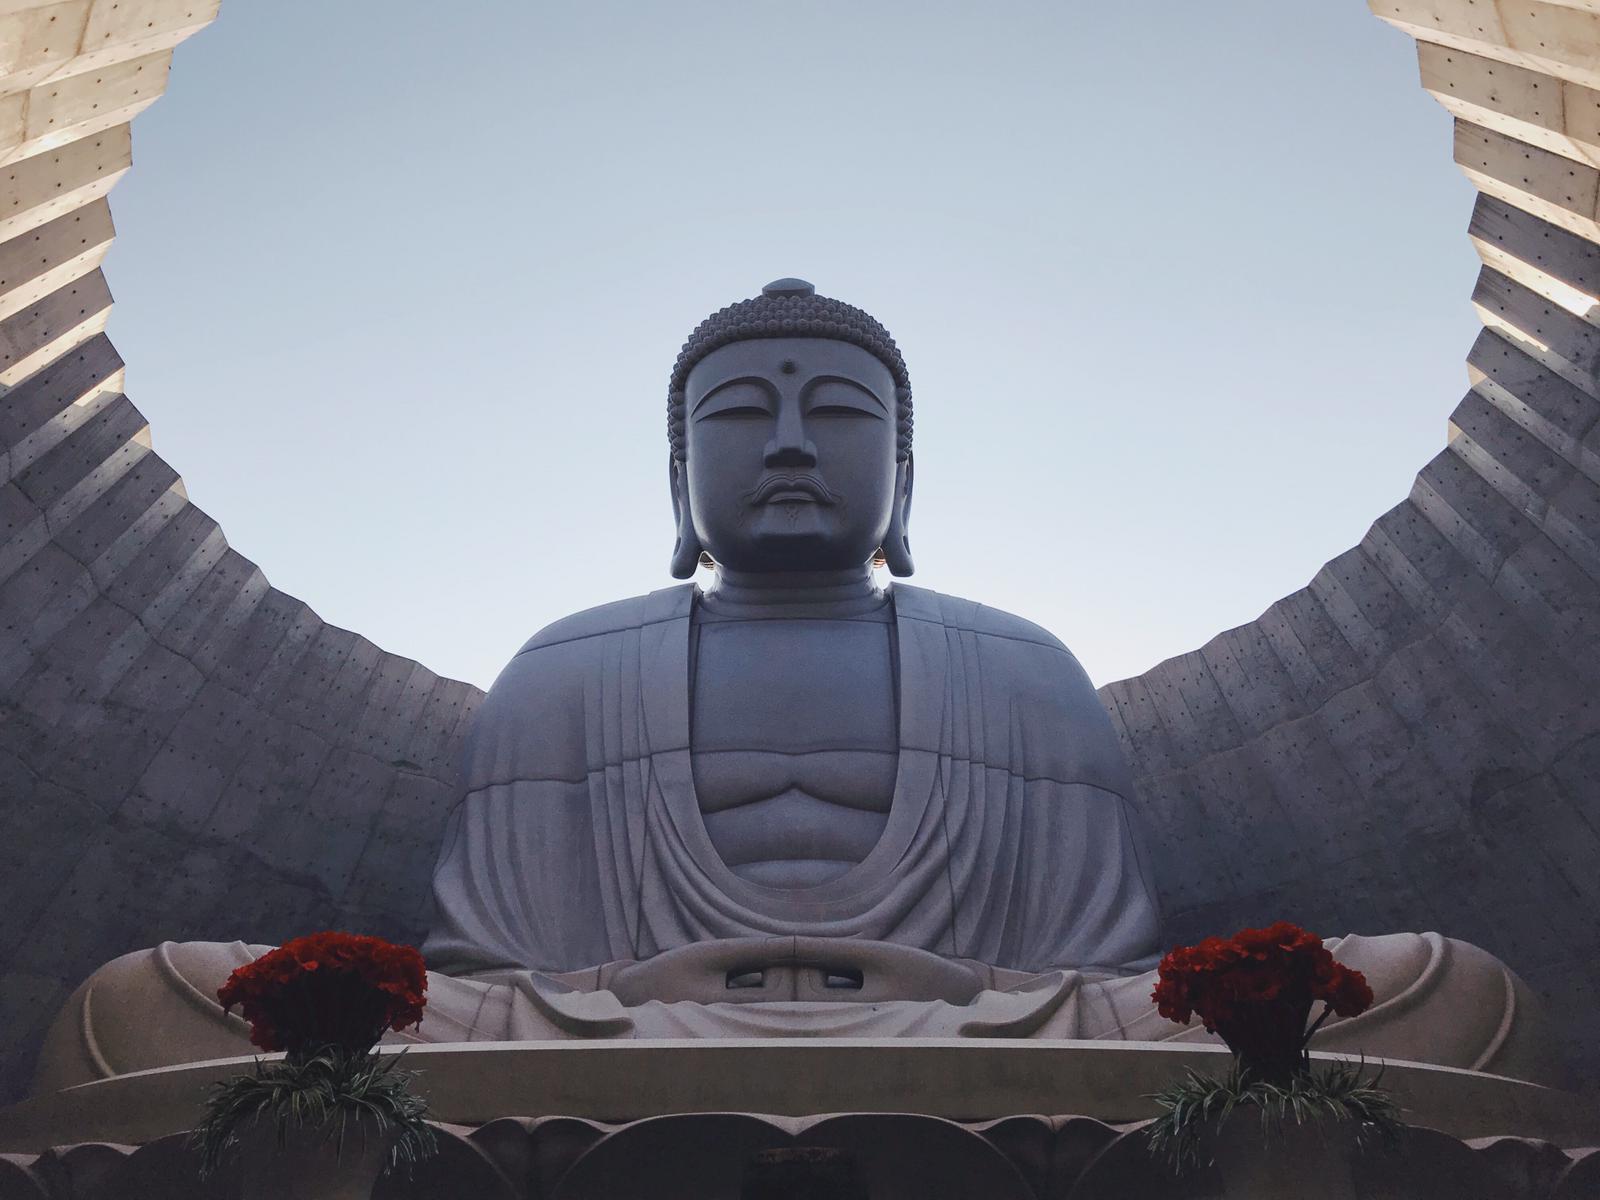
1340	1092
334	1090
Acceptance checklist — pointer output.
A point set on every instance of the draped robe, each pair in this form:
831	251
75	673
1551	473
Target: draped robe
578	839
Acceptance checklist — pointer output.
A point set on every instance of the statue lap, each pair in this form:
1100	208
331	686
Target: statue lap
1439	1000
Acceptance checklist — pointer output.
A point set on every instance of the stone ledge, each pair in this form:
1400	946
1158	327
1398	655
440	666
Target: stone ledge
957	1079
922	1118
903	1156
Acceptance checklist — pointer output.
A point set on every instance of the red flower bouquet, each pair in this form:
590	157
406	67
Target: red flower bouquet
326	998
1256	991
328	990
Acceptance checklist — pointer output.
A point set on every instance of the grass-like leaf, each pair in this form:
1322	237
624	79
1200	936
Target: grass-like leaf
1340	1091
330	1090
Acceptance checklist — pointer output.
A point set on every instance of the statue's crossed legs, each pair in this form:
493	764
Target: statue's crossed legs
1439	1001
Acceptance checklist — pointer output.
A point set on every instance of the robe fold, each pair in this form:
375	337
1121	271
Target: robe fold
578	839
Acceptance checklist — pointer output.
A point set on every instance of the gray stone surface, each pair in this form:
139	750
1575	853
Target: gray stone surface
161	706
1410	741
1436	1000
1453	722
1412	737
730	1155
961	1078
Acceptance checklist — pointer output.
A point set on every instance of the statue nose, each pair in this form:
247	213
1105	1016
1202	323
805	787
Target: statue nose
791	452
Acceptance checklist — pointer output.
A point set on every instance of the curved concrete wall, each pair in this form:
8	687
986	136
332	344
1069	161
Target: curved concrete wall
184	750
1413	741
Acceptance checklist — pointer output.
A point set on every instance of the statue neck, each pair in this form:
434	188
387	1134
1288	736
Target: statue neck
778	594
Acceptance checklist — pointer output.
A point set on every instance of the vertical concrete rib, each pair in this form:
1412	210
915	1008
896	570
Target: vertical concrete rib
215	761
1437	684
187	751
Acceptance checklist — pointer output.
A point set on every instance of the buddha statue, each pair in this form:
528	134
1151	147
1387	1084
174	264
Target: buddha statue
794	802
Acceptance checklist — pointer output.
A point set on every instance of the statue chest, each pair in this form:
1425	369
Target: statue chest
794	743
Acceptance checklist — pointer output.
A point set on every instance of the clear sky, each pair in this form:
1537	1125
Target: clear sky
1183	288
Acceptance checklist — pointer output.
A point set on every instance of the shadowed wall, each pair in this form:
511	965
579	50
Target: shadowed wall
1410	742
1414	739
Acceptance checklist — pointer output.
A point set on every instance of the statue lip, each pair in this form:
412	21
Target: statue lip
792	489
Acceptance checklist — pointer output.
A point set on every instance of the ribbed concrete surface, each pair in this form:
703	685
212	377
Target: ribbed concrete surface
182	747
1413	741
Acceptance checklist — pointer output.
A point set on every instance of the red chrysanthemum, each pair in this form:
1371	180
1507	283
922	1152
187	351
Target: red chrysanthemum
1256	990
328	989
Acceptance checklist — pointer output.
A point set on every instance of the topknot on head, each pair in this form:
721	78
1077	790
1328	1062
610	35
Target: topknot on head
789	287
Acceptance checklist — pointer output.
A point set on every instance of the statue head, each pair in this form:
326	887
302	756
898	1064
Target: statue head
789	416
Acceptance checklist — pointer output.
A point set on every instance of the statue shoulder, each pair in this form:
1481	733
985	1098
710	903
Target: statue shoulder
636	611
533	724
1044	686
973	617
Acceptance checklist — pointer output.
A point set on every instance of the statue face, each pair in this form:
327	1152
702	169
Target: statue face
790	454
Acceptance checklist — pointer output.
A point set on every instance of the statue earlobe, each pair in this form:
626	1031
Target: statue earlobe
897	542
686	550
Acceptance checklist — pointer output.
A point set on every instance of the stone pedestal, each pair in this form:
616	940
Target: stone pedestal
638	1120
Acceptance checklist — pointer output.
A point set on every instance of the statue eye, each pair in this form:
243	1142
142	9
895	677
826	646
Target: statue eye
835	397
734	410
839	410
738	400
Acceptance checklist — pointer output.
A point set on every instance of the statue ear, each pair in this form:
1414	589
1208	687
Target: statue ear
686	550
897	542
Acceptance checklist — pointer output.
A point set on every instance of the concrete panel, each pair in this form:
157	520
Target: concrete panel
1458	23
36	263
1551	335
56	402
38	40
117	30
1553	37
1301	630
1373	617
1557	600
1453	721
1516	464
1191	708
1550	261
393	708
1557	189
1417	559
77	106
1481	525
39	602
1149	747
1280	634
205	629
1195	863
1258	689
35	337
1517	102
1555	410
1572	521
44	187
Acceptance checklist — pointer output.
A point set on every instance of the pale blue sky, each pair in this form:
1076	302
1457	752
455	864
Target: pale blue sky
1184	290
